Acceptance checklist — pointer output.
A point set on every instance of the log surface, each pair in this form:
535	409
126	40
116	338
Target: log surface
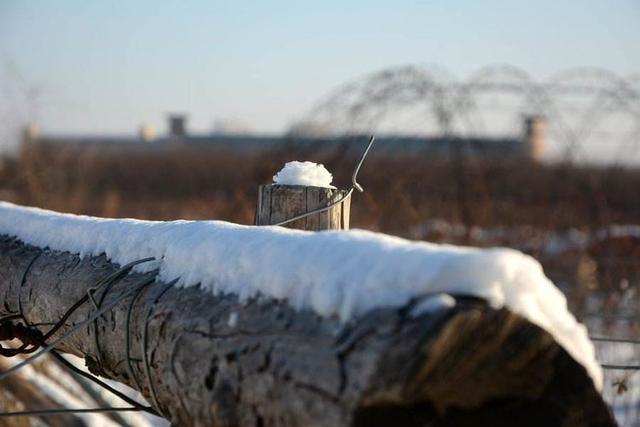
278	203
215	361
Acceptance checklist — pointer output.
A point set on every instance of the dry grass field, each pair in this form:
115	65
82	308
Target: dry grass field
581	222
462	200
402	193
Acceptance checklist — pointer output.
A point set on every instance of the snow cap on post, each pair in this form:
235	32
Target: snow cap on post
300	188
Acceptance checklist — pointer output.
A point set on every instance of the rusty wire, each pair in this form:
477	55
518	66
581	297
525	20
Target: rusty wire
33	339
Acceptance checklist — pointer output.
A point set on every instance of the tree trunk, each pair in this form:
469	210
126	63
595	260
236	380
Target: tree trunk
214	361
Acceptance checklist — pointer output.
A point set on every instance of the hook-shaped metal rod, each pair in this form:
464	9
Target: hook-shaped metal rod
354	177
354	185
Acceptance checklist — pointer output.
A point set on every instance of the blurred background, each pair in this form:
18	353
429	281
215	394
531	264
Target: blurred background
498	123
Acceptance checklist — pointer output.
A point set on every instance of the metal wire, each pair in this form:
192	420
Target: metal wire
620	340
64	411
22	281
94	392
145	336
72	331
621	367
616	367
109	281
354	186
102	384
569	101
127	330
10	317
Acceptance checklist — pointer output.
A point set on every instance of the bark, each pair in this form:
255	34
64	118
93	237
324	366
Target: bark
278	203
217	362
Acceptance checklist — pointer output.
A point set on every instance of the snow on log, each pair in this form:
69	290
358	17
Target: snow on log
276	327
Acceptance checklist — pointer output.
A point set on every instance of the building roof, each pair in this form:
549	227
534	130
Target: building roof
253	143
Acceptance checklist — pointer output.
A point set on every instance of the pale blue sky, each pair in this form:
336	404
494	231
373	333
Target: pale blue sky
108	66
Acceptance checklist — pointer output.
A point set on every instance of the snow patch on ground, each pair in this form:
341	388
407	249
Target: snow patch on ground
233	320
619	231
304	173
59	394
136	419
334	273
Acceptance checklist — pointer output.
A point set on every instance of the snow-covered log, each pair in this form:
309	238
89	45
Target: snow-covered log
229	358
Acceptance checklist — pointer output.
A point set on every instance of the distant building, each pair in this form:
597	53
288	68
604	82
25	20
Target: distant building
177	125
529	145
147	133
535	128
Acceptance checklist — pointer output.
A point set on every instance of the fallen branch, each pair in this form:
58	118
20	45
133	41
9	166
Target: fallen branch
215	361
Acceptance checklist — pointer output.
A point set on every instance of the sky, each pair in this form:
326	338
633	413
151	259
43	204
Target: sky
109	66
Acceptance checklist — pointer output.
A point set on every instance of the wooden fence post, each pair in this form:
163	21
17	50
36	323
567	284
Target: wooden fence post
277	203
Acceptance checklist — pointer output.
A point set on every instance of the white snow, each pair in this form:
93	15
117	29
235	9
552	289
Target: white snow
304	173
619	231
233	320
58	393
137	419
334	273
433	304
62	387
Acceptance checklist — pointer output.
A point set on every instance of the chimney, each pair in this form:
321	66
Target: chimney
29	139
30	133
534	134
177	125
147	133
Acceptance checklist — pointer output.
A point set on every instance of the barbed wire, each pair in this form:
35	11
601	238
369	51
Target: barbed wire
64	411
32	338
617	340
580	105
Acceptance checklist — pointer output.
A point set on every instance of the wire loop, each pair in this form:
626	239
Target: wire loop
354	186
33	339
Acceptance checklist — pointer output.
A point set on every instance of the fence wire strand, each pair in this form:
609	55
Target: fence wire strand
49	347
